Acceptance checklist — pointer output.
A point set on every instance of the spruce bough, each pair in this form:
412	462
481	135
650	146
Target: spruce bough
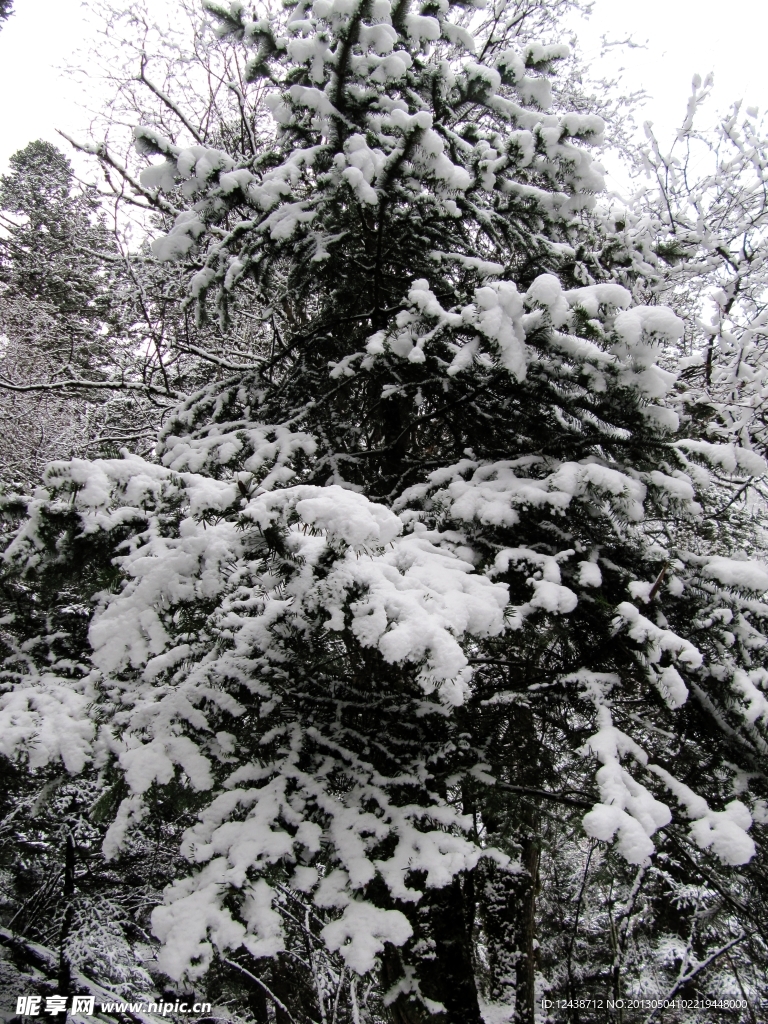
431	568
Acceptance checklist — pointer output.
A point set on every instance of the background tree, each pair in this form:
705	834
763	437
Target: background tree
74	378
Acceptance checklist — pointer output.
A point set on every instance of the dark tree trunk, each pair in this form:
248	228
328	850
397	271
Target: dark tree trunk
404	1010
497	891
525	937
450	976
507	898
257	997
65	971
508	908
290	987
445	973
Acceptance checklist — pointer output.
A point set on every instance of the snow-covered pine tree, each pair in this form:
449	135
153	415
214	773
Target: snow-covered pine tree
72	369
387	595
56	247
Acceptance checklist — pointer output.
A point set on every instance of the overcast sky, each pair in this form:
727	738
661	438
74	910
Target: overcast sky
682	36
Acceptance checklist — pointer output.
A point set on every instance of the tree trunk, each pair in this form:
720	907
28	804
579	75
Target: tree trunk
65	972
508	910
290	988
257	997
450	978
497	898
444	972
525	937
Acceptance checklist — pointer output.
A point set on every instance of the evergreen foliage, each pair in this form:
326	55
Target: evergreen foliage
428	650
66	317
91	353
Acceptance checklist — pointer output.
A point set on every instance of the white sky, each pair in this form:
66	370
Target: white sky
683	37
35	98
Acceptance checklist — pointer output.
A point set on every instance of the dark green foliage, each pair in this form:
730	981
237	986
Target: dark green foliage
542	450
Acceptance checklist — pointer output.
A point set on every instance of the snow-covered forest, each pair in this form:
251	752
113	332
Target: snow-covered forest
384	626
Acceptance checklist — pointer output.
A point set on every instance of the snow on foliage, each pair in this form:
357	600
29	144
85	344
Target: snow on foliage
460	482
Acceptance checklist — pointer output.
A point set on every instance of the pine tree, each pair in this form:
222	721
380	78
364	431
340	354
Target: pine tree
446	557
90	356
57	247
65	317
